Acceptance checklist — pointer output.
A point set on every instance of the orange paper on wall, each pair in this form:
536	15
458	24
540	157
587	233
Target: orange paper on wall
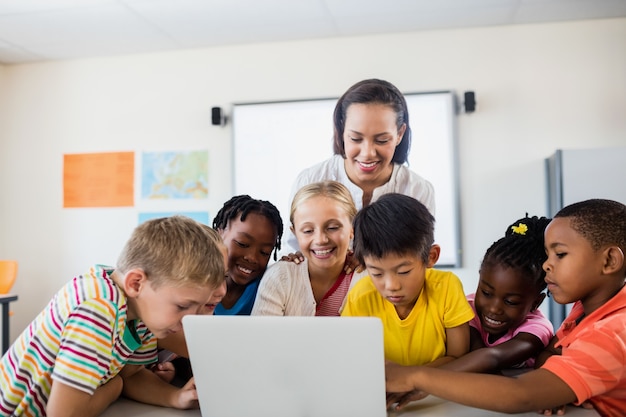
99	179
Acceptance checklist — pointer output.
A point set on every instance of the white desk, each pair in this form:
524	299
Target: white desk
429	406
433	406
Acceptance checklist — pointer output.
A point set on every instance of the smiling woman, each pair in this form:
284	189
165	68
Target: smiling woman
372	141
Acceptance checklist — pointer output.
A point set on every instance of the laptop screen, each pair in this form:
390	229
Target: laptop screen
287	366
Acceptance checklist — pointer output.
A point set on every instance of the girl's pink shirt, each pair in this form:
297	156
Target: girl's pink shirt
535	323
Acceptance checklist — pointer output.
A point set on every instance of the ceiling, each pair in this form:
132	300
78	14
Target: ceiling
43	30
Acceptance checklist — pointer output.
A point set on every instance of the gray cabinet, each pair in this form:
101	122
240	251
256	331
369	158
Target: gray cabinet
580	174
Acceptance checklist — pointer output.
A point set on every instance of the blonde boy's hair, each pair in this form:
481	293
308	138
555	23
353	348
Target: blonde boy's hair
176	251
331	189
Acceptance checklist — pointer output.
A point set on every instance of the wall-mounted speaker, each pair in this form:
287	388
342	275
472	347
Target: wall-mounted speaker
217	118
469	101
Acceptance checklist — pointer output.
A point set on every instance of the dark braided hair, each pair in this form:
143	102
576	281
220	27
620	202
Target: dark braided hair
522	248
243	205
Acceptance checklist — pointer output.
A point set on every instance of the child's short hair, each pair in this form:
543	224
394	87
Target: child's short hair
176	251
522	248
242	205
394	224
601	222
331	189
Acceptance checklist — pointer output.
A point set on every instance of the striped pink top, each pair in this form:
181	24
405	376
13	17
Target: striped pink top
332	301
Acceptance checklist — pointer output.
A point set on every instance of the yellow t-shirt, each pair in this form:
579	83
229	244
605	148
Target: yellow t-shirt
421	337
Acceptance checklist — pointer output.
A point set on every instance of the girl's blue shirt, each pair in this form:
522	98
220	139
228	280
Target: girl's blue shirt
243	306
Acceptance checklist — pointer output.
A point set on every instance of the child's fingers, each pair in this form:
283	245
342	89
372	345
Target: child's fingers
189	399
587	405
293	257
410	397
392	398
191	384
188	396
557	411
353	264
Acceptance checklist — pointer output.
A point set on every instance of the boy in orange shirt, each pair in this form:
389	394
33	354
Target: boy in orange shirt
585	243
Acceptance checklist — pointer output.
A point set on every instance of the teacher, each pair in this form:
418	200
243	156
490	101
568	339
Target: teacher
371	144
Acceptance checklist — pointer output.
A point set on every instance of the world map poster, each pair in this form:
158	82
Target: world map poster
175	175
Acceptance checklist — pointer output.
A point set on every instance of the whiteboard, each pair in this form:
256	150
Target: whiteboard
274	141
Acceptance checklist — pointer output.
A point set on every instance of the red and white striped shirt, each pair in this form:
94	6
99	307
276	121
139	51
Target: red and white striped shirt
331	302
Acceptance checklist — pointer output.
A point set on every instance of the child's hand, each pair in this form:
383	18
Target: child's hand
560	411
587	405
352	264
293	257
187	396
165	370
397	378
402	399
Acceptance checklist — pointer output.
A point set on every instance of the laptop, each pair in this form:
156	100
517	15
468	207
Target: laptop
260	366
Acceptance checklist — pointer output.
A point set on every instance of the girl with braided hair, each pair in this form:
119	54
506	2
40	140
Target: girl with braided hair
251	230
509	330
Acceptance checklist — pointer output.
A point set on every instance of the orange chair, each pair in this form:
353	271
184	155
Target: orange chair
8	273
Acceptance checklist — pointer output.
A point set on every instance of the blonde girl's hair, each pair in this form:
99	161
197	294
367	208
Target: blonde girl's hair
331	189
177	251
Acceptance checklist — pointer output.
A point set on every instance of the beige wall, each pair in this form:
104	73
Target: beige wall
538	88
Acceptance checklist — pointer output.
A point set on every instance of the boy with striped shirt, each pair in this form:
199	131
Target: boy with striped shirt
92	341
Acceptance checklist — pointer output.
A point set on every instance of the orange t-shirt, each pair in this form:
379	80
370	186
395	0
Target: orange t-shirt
593	359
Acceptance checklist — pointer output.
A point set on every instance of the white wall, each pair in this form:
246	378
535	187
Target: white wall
538	88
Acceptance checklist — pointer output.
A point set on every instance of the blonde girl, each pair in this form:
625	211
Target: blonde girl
321	219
